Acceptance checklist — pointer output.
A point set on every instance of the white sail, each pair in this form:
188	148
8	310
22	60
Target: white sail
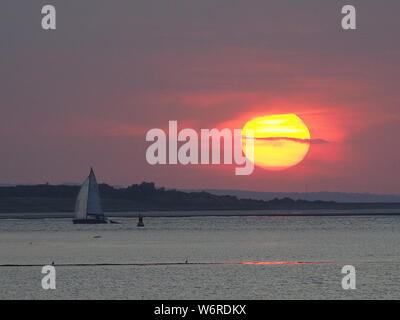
88	201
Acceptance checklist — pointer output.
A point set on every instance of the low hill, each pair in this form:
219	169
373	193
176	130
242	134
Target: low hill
145	196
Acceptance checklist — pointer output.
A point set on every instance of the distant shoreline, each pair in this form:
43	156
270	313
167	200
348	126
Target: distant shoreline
52	201
212	213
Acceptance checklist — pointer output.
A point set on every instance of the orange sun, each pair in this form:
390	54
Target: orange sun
280	141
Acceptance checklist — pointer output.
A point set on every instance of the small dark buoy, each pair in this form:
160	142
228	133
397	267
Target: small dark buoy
52	263
140	222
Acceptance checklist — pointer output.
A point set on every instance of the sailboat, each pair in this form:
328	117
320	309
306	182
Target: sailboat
88	206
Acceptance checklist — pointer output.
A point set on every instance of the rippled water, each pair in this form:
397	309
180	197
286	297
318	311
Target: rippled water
371	244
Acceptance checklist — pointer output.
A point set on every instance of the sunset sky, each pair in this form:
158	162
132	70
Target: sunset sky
86	94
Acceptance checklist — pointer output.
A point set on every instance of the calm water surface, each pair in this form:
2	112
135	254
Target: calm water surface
371	244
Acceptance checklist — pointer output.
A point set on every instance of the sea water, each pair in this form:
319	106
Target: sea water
238	258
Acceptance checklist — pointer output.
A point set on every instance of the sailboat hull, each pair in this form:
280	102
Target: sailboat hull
89	221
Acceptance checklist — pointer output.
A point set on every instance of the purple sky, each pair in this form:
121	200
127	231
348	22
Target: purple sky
86	94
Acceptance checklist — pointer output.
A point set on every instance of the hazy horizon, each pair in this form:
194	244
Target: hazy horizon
323	195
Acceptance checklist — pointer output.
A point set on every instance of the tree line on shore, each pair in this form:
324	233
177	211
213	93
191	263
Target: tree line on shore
146	196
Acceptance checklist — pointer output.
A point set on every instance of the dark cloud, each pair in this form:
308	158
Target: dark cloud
310	141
